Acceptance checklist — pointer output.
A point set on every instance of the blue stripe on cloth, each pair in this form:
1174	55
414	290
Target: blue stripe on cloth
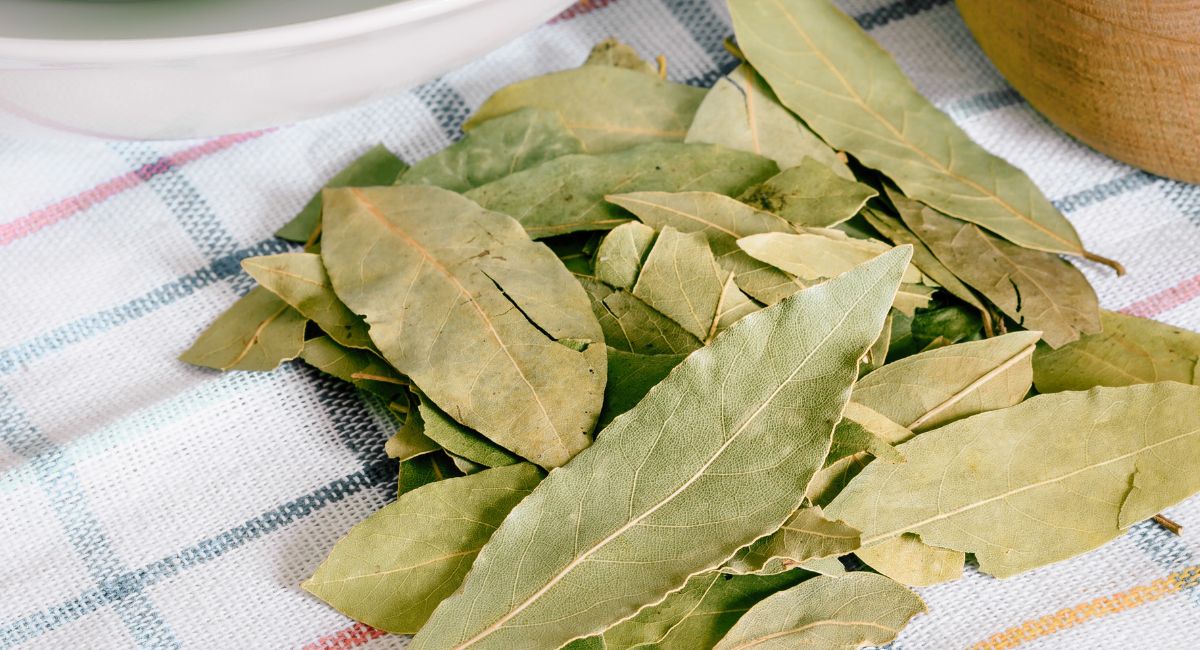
1104	191
83	531
131	584
895	11
227	266
446	105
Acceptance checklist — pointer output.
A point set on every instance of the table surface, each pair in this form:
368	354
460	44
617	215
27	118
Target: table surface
148	503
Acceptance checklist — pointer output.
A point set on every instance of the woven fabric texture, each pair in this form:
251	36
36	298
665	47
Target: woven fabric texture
151	504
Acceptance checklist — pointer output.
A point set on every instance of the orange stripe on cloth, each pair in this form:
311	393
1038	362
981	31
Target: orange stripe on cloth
347	638
1091	610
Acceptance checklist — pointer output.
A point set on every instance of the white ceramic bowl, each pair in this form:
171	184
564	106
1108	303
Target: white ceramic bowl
159	69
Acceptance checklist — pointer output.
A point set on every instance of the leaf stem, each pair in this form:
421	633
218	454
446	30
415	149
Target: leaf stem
1113	264
1171	525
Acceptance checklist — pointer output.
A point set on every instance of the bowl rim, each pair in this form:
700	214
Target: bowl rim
305	33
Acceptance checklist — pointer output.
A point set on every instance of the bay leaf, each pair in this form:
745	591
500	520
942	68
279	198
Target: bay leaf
633	326
732	307
863	428
630	377
856	610
567	194
1040	291
673	470
300	280
612	52
698	615
608	108
877	354
950	324
466	466
681	280
923	258
908	560
813	257
461	441
460	300
1006	485
1129	350
850	91
354	366
810	194
410	441
423	470
741	112
806	535
621	253
392	569
377	166
494	149
258	332
722	220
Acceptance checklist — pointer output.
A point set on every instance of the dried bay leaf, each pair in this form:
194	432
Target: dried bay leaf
1129	350
864	429
461	441
856	610
681	280
567	194
423	470
677	462
633	326
698	615
723	221
806	535
810	194
732	307
741	112
495	149
1040	291
410	441
908	560
460	300
630	377
621	253
258	332
1006	485
377	166
300	280
812	257
612	52
608	108
354	366
391	570
850	91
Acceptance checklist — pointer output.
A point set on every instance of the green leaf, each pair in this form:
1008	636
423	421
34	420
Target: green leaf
258	332
377	166
460	300
607	108
741	112
681	280
633	326
1130	350
1040	291
853	611
567	194
391	570
354	366
495	149
423	470
951	324
611	52
827	70
621	253
461	441
806	535
630	377
722	221
410	441
1006	485
698	615
300	280
677	465
810	194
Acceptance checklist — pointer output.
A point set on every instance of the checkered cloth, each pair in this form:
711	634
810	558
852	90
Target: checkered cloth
147	503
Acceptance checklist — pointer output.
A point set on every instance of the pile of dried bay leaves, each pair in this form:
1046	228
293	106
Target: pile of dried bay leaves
682	368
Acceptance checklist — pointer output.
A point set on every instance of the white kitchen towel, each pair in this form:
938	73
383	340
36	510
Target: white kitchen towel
147	503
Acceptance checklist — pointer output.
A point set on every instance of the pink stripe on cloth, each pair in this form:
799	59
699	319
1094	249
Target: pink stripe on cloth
52	214
346	638
1166	300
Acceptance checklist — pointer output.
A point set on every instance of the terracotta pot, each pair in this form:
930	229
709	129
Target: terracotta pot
1121	75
